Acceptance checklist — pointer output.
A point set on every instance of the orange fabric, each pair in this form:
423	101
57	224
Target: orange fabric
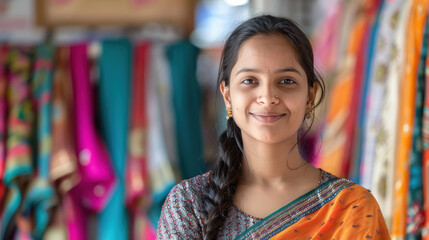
415	28
352	214
339	106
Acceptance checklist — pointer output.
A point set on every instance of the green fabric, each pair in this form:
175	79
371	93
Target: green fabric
186	95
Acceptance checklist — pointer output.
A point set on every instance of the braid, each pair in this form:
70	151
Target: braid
223	180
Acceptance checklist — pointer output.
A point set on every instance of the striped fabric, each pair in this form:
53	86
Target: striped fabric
18	165
41	195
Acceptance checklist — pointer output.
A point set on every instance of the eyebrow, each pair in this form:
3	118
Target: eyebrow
291	69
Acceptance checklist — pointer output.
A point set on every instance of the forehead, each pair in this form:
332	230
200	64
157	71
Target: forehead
267	52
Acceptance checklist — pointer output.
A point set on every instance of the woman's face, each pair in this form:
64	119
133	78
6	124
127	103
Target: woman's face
268	90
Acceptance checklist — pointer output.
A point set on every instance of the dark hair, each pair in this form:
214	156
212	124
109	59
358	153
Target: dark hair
226	174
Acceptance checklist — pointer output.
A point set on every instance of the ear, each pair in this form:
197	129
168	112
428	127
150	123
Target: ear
312	95
226	94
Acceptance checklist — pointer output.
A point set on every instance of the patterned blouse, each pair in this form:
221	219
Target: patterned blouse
182	214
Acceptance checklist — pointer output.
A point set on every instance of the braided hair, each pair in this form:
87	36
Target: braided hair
225	176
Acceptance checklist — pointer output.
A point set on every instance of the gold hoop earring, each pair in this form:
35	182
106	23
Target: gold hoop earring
229	113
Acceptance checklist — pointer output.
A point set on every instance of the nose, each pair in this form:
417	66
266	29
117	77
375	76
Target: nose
268	97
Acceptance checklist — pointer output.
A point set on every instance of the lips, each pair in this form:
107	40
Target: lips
267	117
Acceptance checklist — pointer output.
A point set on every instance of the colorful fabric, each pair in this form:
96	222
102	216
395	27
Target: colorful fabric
187	107
137	177
97	177
161	172
63	166
113	99
383	182
355	122
415	191
3	116
41	197
425	160
19	161
334	153
413	46
340	207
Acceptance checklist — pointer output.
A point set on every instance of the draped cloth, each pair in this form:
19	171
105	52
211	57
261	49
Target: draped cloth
413	46
97	177
3	116
40	197
18	165
113	99
187	107
63	165
138	192
337	209
425	160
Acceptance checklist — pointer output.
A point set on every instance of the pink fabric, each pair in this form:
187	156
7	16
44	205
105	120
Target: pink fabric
97	177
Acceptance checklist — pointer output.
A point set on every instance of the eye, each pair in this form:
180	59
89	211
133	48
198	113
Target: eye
287	81
248	81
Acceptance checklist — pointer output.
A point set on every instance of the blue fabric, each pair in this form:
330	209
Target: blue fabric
114	94
355	165
187	107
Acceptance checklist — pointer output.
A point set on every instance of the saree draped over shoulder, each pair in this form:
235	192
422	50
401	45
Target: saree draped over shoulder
337	209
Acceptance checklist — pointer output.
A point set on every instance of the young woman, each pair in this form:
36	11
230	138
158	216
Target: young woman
262	186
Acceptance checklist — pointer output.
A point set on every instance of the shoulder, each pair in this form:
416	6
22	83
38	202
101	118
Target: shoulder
182	213
349	191
188	194
191	187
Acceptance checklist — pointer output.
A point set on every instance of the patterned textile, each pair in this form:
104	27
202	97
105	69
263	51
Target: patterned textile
40	197
425	164
3	116
383	182
413	46
415	191
377	93
334	198
63	165
19	162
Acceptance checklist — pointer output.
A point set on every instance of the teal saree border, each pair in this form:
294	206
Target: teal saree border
315	198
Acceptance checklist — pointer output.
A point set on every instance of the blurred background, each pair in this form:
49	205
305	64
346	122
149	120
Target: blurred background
106	105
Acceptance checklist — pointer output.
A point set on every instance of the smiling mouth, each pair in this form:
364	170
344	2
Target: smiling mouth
270	118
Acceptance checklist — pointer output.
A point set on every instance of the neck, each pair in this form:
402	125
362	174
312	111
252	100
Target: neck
267	164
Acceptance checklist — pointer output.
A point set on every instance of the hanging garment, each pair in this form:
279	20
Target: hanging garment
114	94
378	91
415	28
354	124
160	166
187	107
63	166
365	102
415	192
387	139
97	177
137	177
425	160
40	197
19	164
3	117
333	155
